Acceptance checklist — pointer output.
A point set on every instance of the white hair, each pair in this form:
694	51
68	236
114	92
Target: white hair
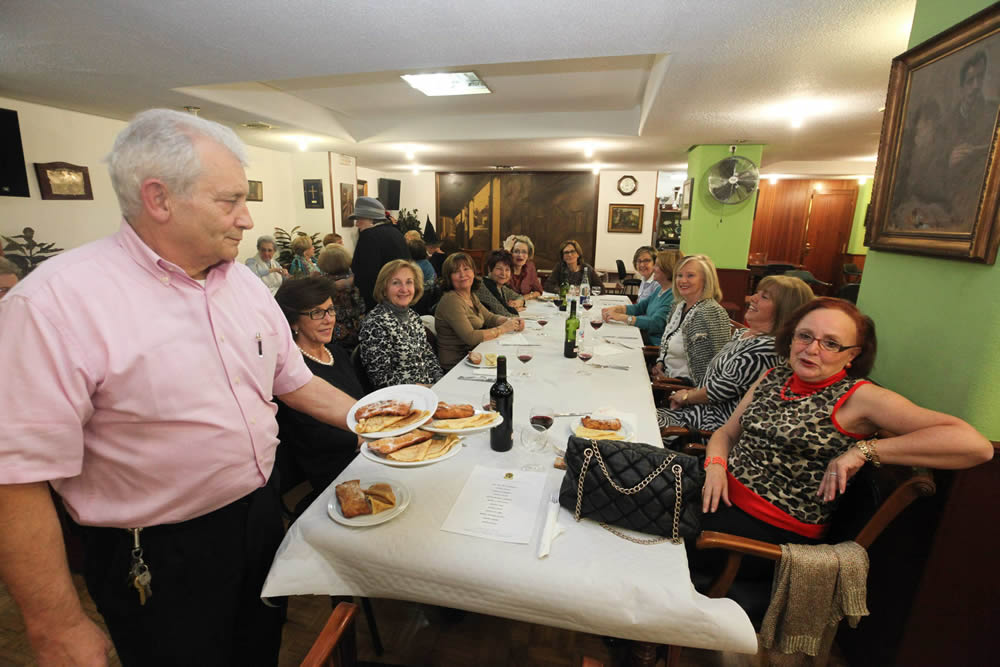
159	143
266	238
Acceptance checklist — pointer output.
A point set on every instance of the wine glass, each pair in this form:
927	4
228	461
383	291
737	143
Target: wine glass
541	418
588	304
585	354
597	323
542	322
485	401
524	355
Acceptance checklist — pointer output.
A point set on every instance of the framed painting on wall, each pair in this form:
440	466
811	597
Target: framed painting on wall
346	204
362	188
625	218
685	204
312	188
62	180
937	187
255	191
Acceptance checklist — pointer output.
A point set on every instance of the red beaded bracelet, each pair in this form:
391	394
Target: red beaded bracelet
716	459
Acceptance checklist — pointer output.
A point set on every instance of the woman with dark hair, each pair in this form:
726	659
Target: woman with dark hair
445	248
394	347
493	291
321	451
804	429
418	253
643	262
740	362
570	268
460	319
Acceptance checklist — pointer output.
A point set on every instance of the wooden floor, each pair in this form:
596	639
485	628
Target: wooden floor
414	635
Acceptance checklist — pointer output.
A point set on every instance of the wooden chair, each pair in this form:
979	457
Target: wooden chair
336	645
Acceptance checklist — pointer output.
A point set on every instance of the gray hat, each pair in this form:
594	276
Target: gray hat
368	208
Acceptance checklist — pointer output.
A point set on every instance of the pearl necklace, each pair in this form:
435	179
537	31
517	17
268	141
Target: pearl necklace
318	361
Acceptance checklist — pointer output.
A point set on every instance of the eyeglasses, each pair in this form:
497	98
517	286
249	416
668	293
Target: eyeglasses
320	313
806	339
569	251
645	260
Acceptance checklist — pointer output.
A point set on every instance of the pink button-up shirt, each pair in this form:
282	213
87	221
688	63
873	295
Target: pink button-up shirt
142	394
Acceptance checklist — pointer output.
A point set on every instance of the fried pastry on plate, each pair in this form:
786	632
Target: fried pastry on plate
352	499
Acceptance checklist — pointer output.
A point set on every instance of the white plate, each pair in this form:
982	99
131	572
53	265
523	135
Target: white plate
462	431
372	456
422	397
403	497
481	365
626	429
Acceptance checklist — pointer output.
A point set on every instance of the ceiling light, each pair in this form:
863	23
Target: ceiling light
774	180
870	158
588	152
447	83
303	144
257	125
796	123
818	188
410	155
596	169
862	180
416	170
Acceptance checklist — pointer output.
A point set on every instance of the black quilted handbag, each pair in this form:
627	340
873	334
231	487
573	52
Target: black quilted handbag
648	489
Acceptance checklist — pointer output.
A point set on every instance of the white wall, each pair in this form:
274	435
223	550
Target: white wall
273	170
618	245
54	135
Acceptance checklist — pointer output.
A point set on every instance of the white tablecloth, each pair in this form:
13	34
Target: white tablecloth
593	581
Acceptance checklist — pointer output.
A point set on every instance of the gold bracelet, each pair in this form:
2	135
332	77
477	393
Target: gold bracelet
867	449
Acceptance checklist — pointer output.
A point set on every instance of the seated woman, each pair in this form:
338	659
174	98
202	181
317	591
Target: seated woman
303	263
321	451
741	361
460	318
394	347
698	326
805	428
643	261
418	253
493	291
524	277
650	313
570	269
265	265
335	261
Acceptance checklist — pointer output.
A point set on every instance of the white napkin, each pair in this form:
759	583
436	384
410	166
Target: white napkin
516	339
551	530
606	350
488	372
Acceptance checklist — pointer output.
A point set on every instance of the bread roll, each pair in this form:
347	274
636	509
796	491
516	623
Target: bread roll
449	411
605	424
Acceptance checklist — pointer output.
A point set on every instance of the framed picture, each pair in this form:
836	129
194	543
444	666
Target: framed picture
346	204
256	191
312	188
362	188
937	186
625	218
62	180
685	203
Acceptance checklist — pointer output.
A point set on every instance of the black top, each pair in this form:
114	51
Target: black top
310	447
377	246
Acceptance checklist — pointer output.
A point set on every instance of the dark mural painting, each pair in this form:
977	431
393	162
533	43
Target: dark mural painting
550	207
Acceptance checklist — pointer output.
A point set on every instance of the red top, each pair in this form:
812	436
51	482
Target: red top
527	281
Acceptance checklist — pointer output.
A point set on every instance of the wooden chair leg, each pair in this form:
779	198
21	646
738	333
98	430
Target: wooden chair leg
642	654
366	605
673	656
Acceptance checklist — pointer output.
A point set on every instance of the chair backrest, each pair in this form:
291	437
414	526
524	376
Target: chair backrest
359	370
806	277
336	645
621	269
874	498
849	292
777	269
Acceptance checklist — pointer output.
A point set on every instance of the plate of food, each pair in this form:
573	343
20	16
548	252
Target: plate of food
480	360
602	425
392	411
461	419
367	502
416	448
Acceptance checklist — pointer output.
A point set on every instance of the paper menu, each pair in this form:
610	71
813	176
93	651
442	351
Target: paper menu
498	504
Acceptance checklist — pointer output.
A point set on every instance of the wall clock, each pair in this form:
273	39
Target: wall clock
627	185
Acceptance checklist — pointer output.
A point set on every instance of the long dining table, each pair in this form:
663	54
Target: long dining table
591	581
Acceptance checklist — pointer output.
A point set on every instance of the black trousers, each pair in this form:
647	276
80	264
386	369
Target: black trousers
207	576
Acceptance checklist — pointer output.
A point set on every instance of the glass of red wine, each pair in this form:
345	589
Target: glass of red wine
524	355
585	354
542	323
588	304
541	419
596	324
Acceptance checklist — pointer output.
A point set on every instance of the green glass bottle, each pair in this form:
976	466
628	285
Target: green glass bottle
572	324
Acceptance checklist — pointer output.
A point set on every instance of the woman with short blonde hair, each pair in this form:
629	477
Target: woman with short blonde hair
303	263
524	275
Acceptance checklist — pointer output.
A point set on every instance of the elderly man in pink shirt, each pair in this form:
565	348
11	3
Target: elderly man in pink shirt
140	388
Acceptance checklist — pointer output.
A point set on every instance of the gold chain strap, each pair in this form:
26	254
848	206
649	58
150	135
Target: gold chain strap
593	451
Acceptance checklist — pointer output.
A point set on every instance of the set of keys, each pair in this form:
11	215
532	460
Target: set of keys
139	577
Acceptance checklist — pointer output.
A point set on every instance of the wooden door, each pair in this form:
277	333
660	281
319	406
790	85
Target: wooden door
828	226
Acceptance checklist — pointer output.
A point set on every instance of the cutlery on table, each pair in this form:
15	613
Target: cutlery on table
621	368
476	379
570	414
614	342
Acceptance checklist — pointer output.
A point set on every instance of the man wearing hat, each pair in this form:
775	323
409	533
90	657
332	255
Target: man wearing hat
378	244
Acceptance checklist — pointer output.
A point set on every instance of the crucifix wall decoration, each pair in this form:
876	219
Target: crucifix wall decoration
313	190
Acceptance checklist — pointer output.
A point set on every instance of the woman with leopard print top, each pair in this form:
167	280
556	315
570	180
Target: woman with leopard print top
394	347
698	326
804	429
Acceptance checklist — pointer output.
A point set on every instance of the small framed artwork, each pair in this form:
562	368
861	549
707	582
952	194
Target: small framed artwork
62	180
625	218
255	191
685	204
312	188
362	188
346	204
937	183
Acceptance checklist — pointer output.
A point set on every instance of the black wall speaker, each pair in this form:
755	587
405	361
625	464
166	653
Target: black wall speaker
13	174
388	193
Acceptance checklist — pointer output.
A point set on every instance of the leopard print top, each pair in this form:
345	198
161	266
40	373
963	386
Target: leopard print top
786	445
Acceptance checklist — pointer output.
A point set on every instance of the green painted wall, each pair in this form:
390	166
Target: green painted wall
721	231
938	320
856	244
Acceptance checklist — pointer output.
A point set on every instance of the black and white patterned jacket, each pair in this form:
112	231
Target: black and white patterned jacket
395	352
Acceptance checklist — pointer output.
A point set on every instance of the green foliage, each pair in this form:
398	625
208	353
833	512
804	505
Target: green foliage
408	221
28	253
283	244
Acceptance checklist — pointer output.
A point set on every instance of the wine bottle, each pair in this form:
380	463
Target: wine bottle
502	401
572	324
564	288
585	287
